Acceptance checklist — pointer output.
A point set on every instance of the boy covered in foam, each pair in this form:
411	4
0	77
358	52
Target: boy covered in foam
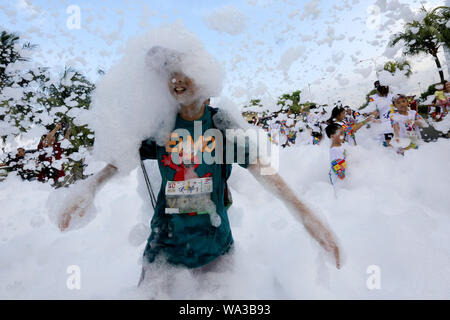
190	226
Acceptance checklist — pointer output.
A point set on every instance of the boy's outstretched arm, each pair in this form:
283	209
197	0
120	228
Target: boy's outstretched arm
318	230
359	125
78	205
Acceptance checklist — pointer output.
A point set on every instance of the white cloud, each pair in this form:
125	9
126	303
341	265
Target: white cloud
331	37
289	57
337	57
28	6
311	9
364	72
227	19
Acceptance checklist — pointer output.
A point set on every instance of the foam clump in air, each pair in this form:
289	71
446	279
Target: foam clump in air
132	101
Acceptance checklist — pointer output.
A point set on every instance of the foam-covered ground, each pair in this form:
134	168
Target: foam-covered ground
393	212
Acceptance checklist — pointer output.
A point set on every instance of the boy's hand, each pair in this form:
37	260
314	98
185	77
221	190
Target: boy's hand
84	196
326	239
319	231
77	206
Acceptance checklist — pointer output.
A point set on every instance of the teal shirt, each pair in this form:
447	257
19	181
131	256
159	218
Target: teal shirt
182	239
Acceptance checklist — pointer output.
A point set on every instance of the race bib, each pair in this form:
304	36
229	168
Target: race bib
189	187
190	197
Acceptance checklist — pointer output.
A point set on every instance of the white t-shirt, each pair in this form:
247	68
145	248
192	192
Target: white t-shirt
407	127
337	153
385	107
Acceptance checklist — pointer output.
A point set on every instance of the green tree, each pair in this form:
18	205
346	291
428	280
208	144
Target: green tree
371	93
393	66
67	100
254	108
9	53
290	101
426	35
21	93
30	100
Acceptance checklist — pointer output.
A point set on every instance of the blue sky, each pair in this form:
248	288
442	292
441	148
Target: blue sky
268	33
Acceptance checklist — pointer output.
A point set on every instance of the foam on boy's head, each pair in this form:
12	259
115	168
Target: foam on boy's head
177	50
132	101
163	61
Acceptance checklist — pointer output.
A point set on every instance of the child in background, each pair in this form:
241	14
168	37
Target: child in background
289	125
317	137
338	115
314	122
17	163
274	132
351	115
441	100
382	104
337	153
412	103
405	123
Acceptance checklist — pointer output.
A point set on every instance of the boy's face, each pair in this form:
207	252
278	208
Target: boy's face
338	136
401	104
182	88
447	86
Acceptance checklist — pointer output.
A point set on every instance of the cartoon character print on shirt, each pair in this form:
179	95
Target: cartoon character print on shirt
387	115
409	126
194	196
183	171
